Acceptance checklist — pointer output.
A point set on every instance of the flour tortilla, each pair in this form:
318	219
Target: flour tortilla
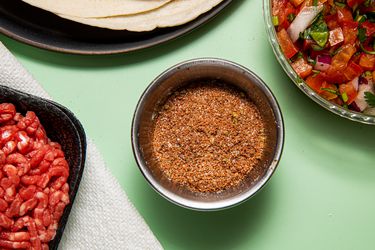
97	8
174	13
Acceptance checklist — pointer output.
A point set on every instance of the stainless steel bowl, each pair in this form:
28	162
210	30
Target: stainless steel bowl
178	76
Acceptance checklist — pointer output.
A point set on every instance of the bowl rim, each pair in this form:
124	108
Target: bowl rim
299	82
226	203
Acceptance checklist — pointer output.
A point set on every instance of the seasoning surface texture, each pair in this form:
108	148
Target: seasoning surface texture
208	137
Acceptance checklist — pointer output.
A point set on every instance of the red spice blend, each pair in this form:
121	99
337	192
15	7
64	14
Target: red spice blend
208	137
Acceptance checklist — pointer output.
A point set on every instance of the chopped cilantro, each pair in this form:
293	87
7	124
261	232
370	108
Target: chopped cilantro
362	34
370	99
291	17
360	18
316	72
365	50
341	5
297	56
335	51
311	61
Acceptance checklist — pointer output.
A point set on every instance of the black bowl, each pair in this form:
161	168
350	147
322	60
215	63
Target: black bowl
43	29
61	126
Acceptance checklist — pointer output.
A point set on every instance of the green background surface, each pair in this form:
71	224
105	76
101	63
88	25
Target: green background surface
322	195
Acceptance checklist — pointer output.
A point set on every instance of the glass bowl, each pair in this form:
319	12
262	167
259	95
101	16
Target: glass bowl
299	82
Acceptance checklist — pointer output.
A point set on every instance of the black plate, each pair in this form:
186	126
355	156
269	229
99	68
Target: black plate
45	30
61	126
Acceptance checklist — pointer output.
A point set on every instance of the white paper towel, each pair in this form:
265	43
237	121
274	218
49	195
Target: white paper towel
102	216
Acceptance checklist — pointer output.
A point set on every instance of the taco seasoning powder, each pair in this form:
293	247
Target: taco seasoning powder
208	137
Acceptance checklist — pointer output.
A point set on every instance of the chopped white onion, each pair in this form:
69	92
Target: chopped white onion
355	83
303	20
360	99
321	66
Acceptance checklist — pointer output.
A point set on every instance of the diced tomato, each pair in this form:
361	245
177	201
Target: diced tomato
368	9
370	28
349	91
343	56
355	58
337	82
307	44
315	82
296	3
352	71
278	6
367	62
305	4
332	21
308	3
315	53
350	31
326	94
344	15
353	3
336	36
282	9
367	45
286	44
302	68
334	74
288	10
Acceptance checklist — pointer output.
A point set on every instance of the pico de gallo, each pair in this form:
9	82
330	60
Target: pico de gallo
331	45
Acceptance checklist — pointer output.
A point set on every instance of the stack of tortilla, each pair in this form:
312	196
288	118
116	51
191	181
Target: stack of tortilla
132	15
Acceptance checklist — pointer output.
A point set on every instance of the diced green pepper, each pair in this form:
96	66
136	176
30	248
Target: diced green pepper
275	20
368	73
318	32
320	38
344	97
